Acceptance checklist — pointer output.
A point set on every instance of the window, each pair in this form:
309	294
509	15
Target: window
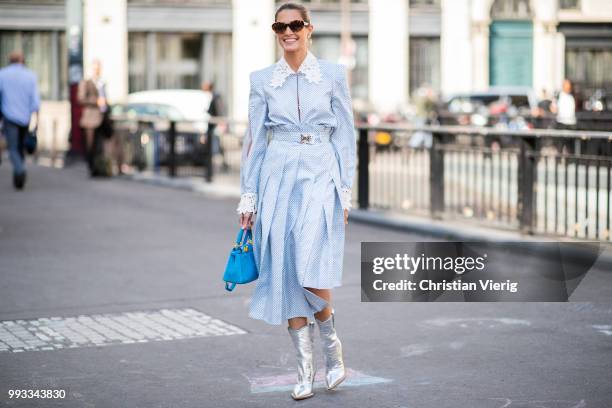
175	56
137	57
177	60
197	3
334	5
180	61
511	10
590	68
424	3
424	62
330	1
45	53
569	4
328	47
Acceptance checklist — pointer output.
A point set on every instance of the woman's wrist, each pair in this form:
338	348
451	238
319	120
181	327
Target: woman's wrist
346	198
248	203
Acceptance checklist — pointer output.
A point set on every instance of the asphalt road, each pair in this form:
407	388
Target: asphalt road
72	246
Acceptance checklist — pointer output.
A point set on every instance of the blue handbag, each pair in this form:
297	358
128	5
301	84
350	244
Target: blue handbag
241	266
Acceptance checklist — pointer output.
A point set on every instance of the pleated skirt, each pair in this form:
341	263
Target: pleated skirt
298	234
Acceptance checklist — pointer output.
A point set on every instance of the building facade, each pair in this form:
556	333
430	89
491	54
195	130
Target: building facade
535	43
397	45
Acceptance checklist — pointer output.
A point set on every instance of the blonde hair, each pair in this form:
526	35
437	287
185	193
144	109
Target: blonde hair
299	7
294	6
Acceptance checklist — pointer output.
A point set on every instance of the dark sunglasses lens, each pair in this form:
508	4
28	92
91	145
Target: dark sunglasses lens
279	27
296	25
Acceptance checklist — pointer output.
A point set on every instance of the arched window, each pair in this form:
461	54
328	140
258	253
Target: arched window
511	10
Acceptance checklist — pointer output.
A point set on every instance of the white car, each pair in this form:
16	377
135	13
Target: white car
182	105
188	108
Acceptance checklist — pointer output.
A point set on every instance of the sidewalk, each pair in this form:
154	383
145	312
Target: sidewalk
145	263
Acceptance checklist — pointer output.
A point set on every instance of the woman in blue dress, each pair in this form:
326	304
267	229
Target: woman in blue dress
296	178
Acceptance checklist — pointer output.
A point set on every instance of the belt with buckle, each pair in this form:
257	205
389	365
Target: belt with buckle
302	137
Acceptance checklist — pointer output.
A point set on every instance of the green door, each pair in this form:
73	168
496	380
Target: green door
511	53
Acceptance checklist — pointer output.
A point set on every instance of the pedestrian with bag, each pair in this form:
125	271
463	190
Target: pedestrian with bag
299	187
92	97
19	99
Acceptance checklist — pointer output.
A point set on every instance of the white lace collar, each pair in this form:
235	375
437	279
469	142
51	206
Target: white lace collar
310	68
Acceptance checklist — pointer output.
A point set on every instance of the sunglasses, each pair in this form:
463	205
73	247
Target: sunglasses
295	26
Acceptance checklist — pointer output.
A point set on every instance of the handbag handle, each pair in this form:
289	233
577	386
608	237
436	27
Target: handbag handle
248	235
241	238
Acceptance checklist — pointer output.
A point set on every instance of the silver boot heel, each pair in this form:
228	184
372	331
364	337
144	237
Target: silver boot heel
332	348
303	339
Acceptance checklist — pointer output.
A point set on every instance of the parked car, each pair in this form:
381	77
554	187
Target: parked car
522	98
186	107
499	107
181	105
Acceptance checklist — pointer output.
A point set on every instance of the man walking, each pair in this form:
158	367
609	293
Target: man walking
19	98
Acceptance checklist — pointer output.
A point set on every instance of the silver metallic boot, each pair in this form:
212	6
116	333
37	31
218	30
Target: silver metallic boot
303	339
332	349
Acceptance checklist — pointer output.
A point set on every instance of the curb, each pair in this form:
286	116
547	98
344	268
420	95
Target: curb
441	229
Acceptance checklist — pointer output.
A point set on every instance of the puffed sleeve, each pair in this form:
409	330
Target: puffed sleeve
343	138
254	147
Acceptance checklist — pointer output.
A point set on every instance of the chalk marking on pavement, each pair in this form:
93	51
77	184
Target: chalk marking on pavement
414	350
456	345
525	403
57	333
465	322
603	328
286	382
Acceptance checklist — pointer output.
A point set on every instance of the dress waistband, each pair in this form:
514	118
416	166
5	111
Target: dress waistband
302	136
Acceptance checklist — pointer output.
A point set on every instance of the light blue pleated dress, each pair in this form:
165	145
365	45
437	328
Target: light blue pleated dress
297	173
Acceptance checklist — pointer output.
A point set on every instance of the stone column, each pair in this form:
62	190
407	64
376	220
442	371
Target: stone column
253	45
105	39
456	47
388	54
545	67
480	55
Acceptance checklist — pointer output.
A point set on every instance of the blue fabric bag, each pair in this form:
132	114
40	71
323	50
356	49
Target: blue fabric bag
241	266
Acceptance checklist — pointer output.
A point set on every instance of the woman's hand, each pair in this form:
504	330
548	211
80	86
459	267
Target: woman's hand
346	216
246	220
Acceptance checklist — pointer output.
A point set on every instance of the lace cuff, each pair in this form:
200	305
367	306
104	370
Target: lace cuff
247	203
346	197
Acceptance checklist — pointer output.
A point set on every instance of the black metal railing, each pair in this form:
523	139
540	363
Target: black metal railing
179	148
527	183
